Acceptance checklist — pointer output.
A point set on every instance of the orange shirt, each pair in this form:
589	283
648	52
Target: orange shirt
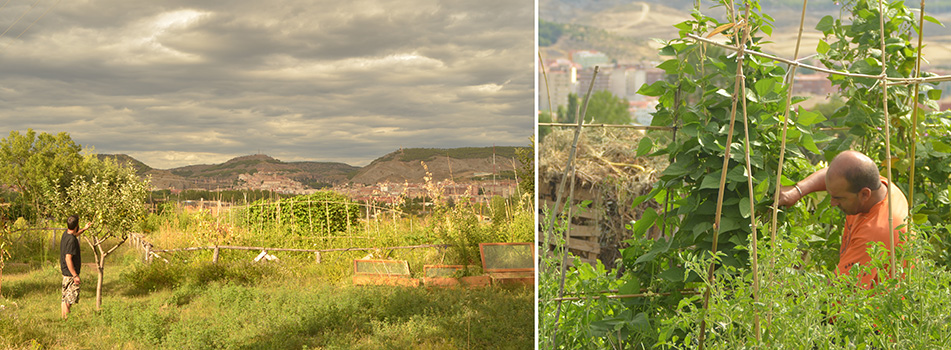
861	229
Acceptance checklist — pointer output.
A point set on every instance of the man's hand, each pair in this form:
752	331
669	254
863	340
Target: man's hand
76	280
788	195
88	225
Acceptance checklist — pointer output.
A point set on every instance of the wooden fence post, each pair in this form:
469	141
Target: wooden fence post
317	257
214	257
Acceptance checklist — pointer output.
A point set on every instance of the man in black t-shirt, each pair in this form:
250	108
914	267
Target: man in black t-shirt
70	261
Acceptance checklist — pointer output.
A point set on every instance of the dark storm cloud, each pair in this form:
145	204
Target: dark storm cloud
176	82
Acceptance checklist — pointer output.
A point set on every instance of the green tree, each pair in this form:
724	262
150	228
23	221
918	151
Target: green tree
544	117
34	163
526	173
109	195
606	108
603	108
549	32
569	113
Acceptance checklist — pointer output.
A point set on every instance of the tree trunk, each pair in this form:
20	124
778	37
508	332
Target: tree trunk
99	269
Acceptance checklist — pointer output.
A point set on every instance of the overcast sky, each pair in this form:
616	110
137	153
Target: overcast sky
174	83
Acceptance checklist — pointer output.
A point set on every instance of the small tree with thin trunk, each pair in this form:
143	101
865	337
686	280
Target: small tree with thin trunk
113	198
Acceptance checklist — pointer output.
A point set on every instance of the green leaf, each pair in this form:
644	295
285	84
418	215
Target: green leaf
671	66
711	180
632	286
685	25
656	89
934	94
645	222
760	189
644	146
810	144
826	24
673	274
677	169
745	207
751	95
658	248
702	227
642	323
933	20
737	174
739	241
640	199
728	223
807	118
764	86
940	146
823	47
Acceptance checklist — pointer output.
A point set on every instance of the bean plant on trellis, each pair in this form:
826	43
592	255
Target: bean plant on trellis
324	213
698	100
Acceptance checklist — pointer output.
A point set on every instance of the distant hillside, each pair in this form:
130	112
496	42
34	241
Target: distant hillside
122	159
458	164
624	29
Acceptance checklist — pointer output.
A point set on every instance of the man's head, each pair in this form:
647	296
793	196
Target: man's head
851	181
72	223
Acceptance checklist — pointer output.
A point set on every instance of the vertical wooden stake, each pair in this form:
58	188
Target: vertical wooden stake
214	257
317	257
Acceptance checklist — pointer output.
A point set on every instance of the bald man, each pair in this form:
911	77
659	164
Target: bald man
854	185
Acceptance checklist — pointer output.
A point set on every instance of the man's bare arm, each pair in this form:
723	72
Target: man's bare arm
72	269
815	182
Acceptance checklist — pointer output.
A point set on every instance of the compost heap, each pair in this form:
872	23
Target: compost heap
605	162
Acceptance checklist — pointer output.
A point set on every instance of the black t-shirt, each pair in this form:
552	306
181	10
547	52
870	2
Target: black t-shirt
69	245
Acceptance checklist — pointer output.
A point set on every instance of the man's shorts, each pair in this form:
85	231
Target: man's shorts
70	291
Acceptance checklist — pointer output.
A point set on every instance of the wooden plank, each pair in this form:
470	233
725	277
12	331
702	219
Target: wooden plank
378	280
550	203
584	245
526	281
442	282
584	195
587	214
475	281
579	247
584	231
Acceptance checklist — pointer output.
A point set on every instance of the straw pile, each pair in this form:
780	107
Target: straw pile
605	162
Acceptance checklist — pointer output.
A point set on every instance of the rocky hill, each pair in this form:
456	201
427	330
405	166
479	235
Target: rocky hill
404	165
458	164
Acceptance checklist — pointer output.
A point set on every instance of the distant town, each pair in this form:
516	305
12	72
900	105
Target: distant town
573	74
385	192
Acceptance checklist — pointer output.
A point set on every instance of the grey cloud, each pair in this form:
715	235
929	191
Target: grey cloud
299	80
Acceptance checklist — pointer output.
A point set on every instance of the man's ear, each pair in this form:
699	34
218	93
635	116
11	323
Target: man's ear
865	194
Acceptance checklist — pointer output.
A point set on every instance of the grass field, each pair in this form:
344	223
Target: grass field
238	305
